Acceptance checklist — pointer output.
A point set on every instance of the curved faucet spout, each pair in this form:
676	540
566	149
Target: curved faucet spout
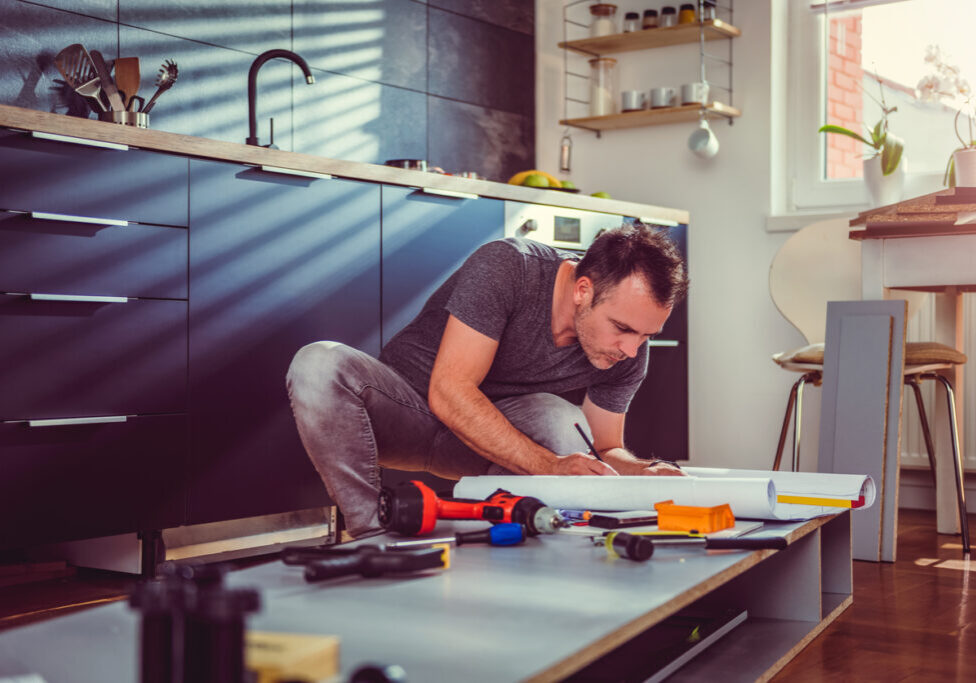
252	86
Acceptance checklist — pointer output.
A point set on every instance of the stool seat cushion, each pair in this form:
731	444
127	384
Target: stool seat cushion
916	353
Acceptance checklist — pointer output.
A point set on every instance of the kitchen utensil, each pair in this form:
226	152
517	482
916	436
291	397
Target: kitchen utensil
168	73
632	100
694	93
662	97
703	141
127	77
108	85
137	103
75	65
92	90
138	119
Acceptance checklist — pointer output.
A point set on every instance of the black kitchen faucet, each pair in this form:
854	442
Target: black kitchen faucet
252	87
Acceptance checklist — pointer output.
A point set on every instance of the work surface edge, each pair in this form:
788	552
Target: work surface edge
175	143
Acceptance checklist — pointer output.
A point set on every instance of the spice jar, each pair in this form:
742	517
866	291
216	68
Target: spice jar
650	18
631	22
687	14
603	86
604	22
668	17
708	11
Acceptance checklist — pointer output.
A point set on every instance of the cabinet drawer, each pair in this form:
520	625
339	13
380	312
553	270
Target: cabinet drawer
67	482
61	177
56	256
71	358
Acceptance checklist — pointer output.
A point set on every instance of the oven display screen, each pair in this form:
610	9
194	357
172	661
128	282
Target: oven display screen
566	229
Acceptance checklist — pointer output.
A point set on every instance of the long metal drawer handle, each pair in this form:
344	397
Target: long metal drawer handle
79	141
295	172
67	421
663	342
67	218
453	194
79	297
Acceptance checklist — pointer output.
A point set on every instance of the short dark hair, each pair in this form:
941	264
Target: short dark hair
635	248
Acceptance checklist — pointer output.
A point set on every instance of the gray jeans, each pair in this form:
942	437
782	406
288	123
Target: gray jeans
355	415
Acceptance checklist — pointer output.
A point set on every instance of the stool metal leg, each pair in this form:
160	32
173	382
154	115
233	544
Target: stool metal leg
912	381
796	397
960	490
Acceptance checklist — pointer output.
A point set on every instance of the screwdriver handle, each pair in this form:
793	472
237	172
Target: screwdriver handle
507	533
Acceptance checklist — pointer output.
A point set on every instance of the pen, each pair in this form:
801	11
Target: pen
589	443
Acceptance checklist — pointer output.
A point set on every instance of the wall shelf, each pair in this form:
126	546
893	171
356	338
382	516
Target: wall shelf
652	117
715	29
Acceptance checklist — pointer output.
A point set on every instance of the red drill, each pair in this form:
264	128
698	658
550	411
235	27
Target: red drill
412	509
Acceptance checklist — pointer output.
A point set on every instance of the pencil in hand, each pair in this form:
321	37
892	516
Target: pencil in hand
586	440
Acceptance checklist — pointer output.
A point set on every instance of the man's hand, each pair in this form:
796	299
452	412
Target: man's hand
663	469
581	463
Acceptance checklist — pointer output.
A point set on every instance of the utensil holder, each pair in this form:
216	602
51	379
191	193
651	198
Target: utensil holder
126	118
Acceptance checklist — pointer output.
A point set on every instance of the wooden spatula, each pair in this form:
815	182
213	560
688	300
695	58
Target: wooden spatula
127	77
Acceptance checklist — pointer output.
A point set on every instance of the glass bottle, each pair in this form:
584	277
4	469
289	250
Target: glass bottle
650	18
687	14
632	22
669	17
604	22
603	86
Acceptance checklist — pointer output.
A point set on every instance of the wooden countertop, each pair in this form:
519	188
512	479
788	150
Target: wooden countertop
46	122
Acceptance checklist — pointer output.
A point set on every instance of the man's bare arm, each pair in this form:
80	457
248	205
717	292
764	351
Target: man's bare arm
463	359
608	439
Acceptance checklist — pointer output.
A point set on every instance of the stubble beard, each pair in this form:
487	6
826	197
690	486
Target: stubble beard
598	359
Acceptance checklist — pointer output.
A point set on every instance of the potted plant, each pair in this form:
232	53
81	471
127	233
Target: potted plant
946	83
884	174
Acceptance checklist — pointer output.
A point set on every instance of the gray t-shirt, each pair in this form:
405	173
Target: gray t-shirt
504	290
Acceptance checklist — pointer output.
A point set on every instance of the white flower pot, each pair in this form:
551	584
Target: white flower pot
964	161
884	189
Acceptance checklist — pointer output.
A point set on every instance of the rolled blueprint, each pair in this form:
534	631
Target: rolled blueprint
752	494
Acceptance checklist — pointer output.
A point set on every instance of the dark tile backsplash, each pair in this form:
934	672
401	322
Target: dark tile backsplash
451	81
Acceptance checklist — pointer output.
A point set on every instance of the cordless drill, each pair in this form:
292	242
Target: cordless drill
412	509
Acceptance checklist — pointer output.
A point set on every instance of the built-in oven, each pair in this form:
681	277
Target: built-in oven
657	421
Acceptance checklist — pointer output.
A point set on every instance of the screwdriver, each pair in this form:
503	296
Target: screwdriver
508	533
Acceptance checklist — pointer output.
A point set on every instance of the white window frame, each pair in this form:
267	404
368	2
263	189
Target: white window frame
807	189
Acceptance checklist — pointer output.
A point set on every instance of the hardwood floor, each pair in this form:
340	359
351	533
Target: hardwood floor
914	620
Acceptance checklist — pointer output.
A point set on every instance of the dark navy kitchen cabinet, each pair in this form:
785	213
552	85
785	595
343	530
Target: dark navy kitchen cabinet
425	238
276	262
657	420
93	332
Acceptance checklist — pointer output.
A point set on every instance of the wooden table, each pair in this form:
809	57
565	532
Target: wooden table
918	245
538	612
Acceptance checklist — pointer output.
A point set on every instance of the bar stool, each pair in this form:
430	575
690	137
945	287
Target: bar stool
819	264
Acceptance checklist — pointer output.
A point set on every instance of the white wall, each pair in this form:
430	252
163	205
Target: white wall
737	394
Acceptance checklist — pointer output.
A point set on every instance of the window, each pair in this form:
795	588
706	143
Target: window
849	56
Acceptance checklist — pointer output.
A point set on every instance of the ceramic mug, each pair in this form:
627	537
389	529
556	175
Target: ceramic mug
694	93
632	100
662	97
703	141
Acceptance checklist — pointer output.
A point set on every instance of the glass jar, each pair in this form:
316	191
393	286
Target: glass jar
650	18
687	14
668	17
604	19
632	22
603	86
708	11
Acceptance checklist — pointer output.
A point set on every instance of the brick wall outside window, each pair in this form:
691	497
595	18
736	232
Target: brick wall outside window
844	97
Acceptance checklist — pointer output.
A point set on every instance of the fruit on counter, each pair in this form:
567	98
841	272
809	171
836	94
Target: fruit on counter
536	180
521	177
568	185
601	195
